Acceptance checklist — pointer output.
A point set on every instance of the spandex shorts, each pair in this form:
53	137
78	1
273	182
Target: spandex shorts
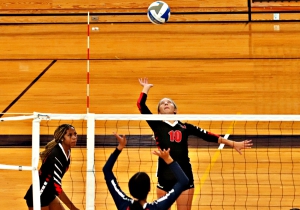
167	184
46	198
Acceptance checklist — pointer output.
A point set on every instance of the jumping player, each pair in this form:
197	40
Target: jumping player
174	135
139	183
55	163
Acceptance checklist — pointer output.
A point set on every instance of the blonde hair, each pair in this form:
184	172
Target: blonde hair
167	99
58	137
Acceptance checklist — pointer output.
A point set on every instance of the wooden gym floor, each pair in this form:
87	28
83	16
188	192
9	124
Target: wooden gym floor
206	68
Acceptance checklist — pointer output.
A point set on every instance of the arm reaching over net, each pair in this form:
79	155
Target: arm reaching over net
211	137
238	146
174	135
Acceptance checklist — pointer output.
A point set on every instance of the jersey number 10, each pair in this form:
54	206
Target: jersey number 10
175	136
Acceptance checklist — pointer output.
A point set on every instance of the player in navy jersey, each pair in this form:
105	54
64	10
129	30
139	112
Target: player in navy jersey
174	135
139	183
55	163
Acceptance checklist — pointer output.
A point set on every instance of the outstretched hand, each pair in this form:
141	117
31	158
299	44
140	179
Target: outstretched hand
122	141
164	154
238	146
144	82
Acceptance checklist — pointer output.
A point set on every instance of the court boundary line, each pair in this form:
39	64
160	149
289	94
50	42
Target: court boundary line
214	159
27	88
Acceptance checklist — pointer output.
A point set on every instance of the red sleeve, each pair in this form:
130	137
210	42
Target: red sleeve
141	104
201	133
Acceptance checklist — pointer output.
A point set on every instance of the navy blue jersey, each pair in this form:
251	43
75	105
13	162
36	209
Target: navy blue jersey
51	173
173	136
123	202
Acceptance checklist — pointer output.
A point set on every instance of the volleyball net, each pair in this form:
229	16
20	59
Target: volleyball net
266	176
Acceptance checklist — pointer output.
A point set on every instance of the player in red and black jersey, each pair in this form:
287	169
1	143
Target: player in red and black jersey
174	135
139	183
55	163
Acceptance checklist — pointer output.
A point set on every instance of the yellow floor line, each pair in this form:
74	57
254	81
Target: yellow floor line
213	160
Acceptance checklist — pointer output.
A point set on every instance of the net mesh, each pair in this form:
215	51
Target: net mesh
264	177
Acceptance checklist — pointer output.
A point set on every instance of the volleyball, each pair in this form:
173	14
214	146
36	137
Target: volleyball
158	12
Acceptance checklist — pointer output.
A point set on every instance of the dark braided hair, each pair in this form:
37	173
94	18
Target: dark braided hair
58	137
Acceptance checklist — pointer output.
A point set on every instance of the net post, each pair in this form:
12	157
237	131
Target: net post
90	172
35	162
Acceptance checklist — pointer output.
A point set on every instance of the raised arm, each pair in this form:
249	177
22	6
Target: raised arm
114	156
120	198
141	102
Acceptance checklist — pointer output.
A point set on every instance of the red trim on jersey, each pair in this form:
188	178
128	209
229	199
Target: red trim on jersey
210	133
57	188
139	101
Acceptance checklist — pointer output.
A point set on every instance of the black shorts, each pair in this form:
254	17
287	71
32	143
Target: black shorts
46	198
167	184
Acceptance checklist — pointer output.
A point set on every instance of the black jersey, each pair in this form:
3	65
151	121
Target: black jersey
123	202
51	173
173	136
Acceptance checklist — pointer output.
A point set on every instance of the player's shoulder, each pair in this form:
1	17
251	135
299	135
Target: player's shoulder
56	149
188	126
56	152
185	123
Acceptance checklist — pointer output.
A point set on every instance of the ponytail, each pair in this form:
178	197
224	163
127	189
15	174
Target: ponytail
50	145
